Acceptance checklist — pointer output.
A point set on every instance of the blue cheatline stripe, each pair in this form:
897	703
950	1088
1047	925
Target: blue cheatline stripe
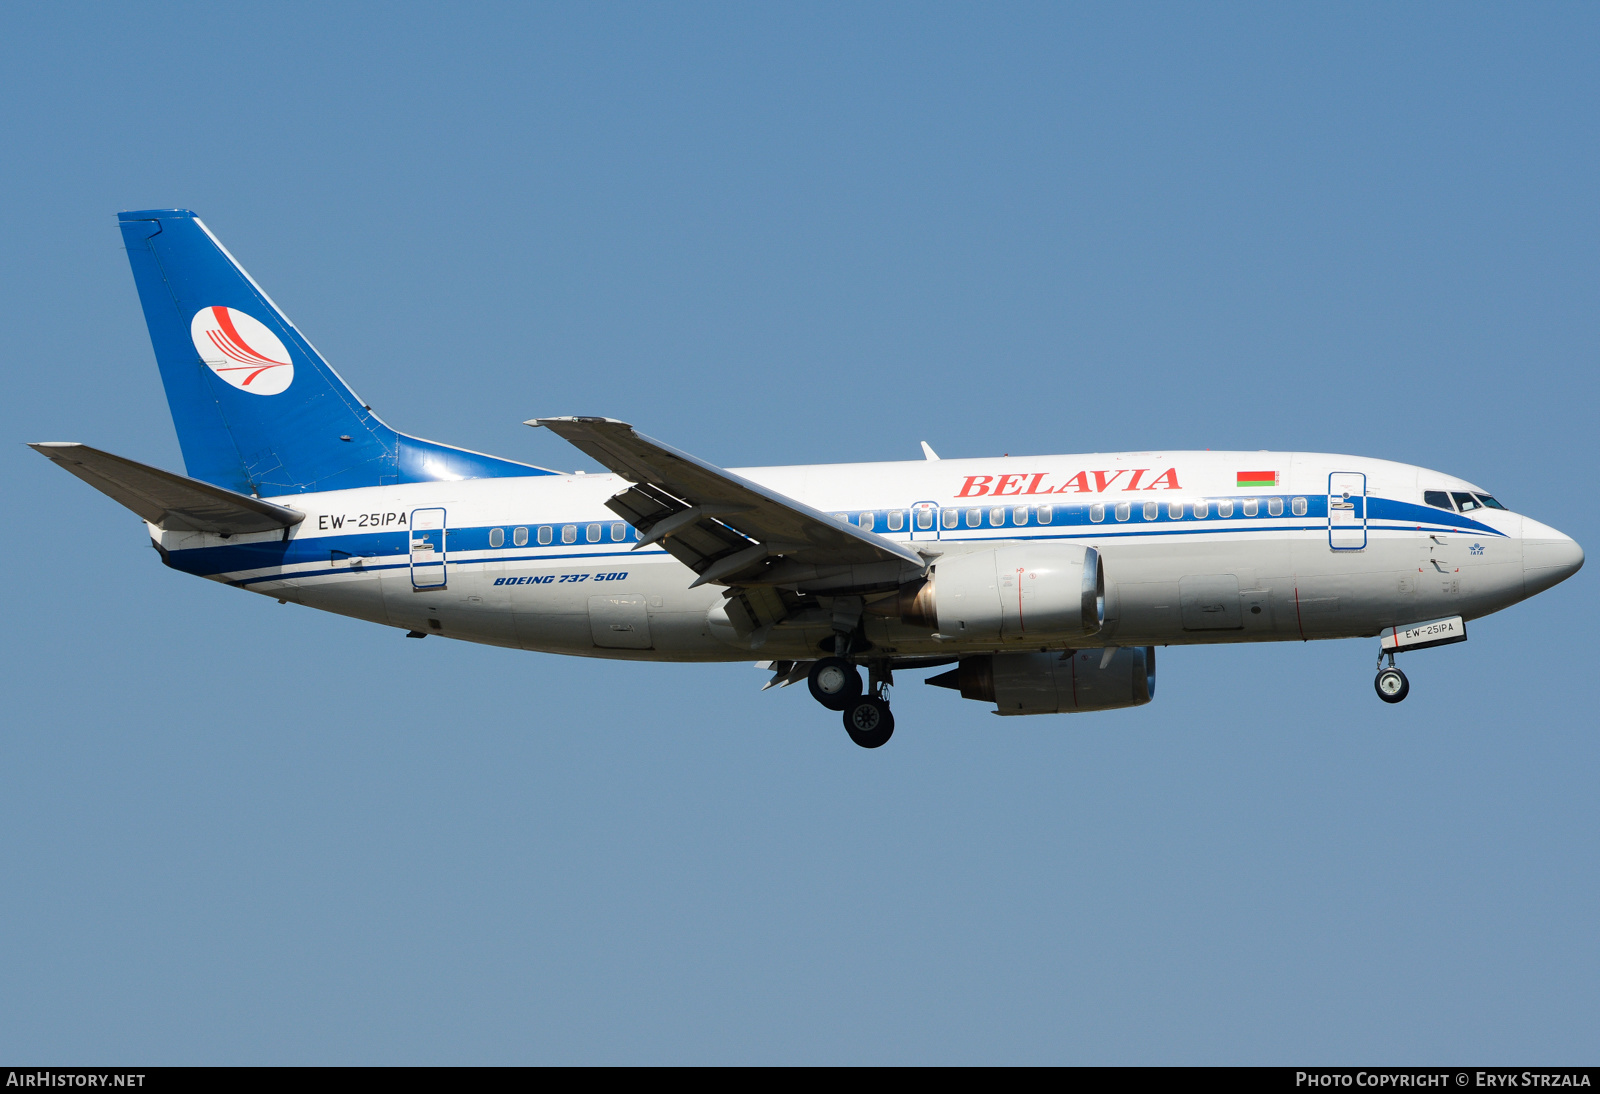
1383	514
237	557
297	574
1077	513
406	564
1110	532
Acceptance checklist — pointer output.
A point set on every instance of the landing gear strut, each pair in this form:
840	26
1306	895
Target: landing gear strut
1391	684
835	681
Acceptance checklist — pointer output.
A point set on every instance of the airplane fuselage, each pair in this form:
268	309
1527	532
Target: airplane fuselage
1197	547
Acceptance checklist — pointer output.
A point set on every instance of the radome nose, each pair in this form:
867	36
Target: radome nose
1548	557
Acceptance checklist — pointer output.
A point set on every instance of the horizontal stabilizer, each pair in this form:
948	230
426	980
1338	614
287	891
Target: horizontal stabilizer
171	502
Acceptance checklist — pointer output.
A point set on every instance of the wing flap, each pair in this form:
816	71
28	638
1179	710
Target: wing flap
716	517
696	543
169	501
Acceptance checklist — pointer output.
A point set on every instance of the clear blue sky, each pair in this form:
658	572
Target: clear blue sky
237	832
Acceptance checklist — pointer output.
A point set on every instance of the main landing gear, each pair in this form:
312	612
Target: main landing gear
1391	684
836	684
869	722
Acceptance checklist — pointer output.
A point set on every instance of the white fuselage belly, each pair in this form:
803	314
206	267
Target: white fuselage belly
1197	573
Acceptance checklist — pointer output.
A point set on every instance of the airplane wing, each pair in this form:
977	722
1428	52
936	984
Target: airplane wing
172	502
725	528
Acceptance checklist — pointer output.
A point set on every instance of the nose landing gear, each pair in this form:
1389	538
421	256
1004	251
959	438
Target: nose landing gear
1391	684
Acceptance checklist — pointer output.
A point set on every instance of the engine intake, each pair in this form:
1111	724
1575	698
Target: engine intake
1034	593
1056	683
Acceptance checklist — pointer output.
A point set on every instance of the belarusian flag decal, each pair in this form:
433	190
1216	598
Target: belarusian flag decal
1257	478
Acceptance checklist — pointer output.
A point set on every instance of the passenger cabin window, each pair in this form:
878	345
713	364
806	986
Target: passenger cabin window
1298	506
592	533
1122	510
1152	510
619	532
1274	507
497	537
1465	501
1097	513
519	537
544	535
974	517
1251	507
950	517
1046	513
1437	498
1175	510
897	520
867	521
1490	502
1224	509
997	518
1201	510
1019	515
569	533
924	519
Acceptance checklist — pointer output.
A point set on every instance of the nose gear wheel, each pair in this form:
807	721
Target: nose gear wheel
1392	685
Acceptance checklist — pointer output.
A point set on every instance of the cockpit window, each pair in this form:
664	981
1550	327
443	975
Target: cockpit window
1466	501
1437	498
1490	502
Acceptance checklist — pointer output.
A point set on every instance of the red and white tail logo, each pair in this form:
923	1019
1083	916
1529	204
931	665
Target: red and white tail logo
241	350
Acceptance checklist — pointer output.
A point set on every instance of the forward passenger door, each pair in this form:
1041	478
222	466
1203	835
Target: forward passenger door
1347	511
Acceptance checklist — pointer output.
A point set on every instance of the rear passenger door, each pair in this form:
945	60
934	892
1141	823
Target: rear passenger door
427	548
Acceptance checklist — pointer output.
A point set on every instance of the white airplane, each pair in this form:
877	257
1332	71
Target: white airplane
1046	581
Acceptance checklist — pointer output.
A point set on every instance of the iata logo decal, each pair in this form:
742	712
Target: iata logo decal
241	350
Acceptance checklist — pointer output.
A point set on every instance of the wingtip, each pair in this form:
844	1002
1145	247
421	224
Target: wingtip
577	419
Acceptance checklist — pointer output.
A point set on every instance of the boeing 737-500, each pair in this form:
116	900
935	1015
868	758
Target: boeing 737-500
1041	584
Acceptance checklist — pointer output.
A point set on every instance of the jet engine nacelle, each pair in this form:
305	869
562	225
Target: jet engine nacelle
1056	683
1033	593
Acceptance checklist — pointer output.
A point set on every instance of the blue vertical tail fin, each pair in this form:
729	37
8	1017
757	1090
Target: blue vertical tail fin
256	408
